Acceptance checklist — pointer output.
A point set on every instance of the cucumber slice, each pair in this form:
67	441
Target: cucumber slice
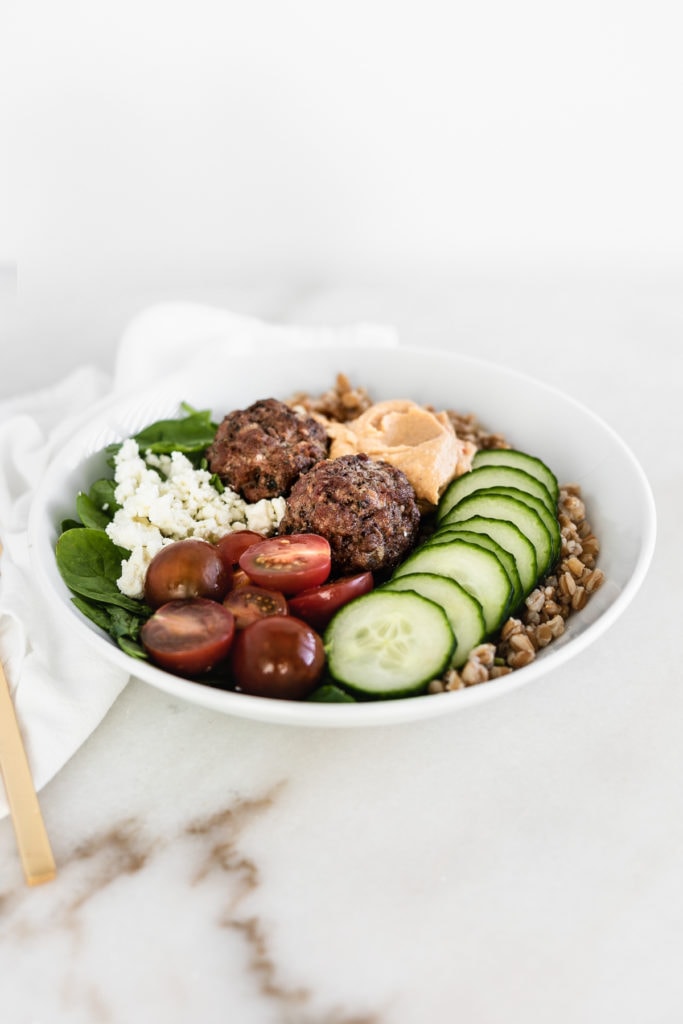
549	519
487	477
506	507
388	644
509	537
519	460
462	610
484	541
473	567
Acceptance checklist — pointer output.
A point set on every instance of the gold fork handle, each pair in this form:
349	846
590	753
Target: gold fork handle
32	840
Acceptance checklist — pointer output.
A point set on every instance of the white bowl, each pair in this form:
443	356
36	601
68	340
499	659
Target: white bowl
575	442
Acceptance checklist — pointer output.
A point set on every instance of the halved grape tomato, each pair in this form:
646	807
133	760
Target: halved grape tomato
188	637
290	563
186	568
231	546
317	605
249	603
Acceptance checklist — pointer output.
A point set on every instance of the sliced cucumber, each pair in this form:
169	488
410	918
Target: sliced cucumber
486	477
388	644
519	460
483	540
509	537
508	508
462	610
550	520
473	567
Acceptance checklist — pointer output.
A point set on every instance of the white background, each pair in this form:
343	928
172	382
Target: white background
153	150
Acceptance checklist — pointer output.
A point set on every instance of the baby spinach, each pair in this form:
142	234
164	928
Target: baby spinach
69	524
135	650
329	693
103	494
97	613
90	562
90	565
190	435
89	513
123	626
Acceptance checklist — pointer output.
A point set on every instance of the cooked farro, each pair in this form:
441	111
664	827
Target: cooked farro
341	403
546	609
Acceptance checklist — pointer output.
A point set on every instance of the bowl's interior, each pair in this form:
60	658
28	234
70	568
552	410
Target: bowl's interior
575	443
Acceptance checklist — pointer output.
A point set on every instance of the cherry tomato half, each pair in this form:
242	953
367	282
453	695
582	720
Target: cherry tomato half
289	563
317	605
249	603
188	637
231	546
277	657
186	568
240	579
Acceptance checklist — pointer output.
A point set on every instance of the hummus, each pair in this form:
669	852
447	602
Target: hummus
423	444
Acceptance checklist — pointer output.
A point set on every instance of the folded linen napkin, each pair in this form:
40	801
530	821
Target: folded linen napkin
60	698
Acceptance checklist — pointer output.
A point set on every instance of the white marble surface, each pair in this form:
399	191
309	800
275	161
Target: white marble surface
517	862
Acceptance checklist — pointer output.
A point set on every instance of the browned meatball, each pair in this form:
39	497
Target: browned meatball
366	510
260	451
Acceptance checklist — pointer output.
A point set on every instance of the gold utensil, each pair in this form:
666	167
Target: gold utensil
32	840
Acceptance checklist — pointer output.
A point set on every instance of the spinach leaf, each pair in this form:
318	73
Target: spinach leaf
131	647
103	494
97	613
328	693
193	433
90	565
89	514
122	625
125	623
190	434
70	524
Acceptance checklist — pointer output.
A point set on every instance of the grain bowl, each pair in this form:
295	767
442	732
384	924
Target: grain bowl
601	483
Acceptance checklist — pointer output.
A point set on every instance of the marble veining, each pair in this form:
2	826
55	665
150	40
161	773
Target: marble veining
211	856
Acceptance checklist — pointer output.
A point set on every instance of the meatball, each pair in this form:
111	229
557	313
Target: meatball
260	451
365	508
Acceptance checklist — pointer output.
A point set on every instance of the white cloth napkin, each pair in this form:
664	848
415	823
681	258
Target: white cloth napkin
59	697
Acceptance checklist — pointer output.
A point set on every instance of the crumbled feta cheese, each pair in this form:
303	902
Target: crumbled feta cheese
164	498
265	515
